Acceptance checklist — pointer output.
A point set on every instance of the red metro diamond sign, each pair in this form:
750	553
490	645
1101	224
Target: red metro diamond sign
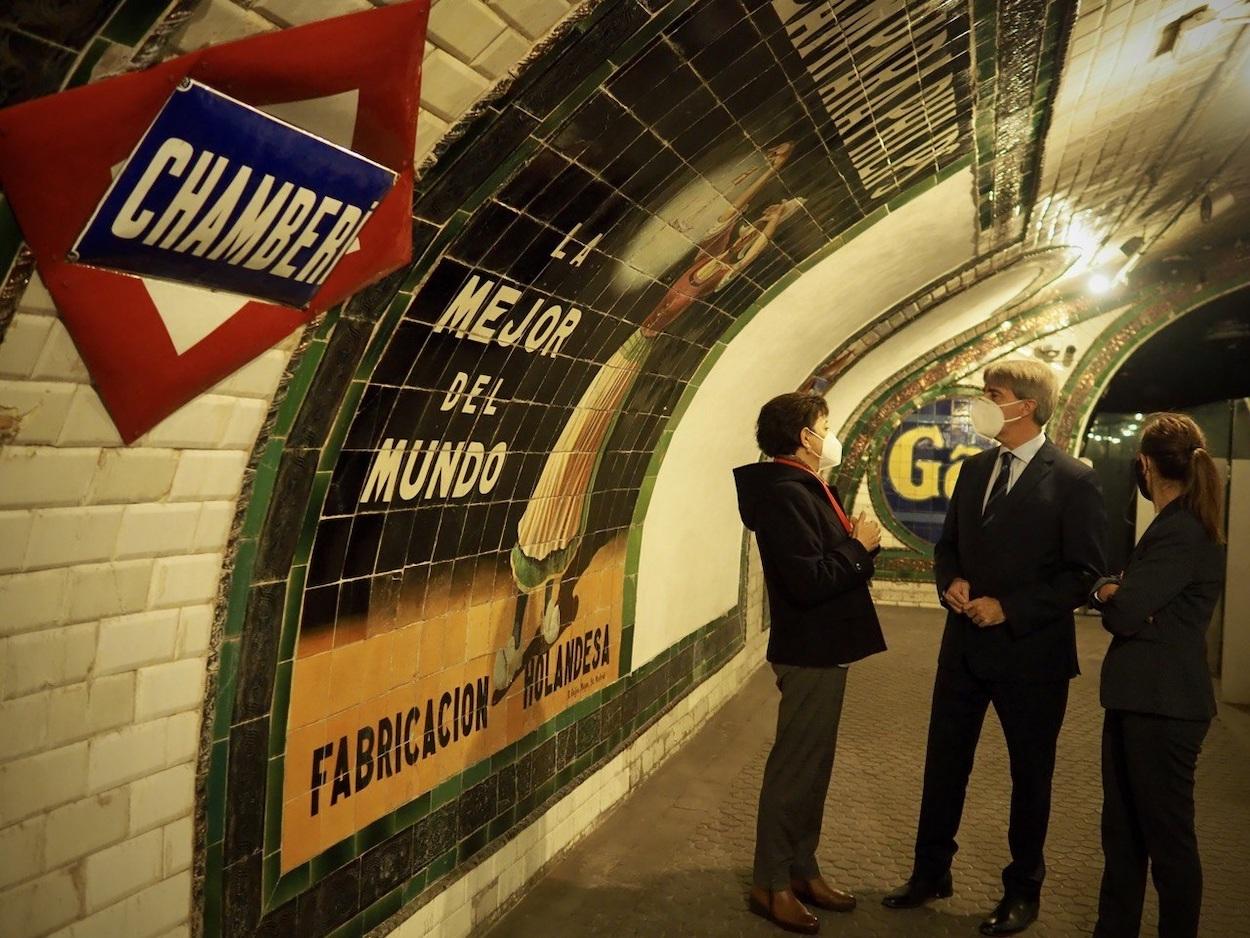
187	217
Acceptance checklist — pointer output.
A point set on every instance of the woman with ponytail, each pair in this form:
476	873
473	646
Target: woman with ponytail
1156	686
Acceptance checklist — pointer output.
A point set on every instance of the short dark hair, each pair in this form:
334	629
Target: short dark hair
783	418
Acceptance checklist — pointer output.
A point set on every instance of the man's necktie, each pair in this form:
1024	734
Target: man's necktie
1000	486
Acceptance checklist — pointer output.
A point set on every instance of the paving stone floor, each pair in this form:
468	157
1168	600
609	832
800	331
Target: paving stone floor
674	858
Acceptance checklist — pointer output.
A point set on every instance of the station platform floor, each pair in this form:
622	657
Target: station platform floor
674	858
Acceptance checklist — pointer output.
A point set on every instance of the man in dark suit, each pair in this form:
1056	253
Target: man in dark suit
1020	549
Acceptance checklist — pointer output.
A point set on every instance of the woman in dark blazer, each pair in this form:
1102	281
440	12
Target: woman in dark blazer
1156	686
817	563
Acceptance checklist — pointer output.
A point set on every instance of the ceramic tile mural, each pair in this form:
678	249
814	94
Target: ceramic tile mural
922	460
467	578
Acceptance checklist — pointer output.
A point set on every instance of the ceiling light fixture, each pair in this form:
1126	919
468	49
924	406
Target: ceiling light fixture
1099	284
1214	203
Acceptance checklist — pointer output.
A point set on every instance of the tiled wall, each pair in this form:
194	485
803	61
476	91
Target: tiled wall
721	149
633	227
110	556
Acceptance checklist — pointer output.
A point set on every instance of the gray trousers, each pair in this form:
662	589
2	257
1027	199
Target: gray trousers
796	776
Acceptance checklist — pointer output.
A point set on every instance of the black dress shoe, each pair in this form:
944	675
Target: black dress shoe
1012	916
917	891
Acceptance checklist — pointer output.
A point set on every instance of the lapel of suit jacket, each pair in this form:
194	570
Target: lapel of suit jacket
1037	469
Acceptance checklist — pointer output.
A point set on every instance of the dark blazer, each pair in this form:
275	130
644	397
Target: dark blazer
816	574
1157	662
1038	556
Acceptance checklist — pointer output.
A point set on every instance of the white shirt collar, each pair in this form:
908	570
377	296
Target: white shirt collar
1026	451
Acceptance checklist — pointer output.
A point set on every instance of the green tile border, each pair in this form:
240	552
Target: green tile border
281	888
133	20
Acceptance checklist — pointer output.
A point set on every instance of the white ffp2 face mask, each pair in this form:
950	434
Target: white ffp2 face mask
987	417
830	449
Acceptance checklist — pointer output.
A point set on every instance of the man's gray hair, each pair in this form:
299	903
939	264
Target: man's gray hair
1027	380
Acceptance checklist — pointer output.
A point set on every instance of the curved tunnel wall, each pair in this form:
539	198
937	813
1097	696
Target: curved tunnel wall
648	123
582	252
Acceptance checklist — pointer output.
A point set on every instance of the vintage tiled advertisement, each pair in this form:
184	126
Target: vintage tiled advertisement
468	577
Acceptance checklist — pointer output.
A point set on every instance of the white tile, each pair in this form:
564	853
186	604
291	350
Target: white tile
162	905
50	658
155	529
246	420
41	905
21	851
59	360
195	627
22	342
36	300
163	689
184	581
129	642
103	703
206	474
85	826
32	600
40	408
108	589
162	797
258	378
36	783
464	28
43	476
298	12
122	869
132	475
200	422
459	923
213	22
497	59
179	838
87	422
291	342
448	86
182	737
23	724
62	536
14	536
213	529
430	130
126	754
534	18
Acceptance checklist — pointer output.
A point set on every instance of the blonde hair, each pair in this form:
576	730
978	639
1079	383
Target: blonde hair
1028	381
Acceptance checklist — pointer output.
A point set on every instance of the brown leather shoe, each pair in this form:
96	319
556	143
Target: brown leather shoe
783	909
821	894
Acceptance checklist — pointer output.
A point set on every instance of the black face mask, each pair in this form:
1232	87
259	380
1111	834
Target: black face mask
1139	475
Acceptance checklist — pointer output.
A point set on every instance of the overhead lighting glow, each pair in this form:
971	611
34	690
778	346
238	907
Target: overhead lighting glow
1099	283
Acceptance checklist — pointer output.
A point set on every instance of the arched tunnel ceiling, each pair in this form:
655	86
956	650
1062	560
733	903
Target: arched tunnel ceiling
671	210
1159	376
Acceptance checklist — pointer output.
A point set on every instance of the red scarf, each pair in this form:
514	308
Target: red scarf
837	509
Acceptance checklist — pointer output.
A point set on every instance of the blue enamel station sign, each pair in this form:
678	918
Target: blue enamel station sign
222	195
